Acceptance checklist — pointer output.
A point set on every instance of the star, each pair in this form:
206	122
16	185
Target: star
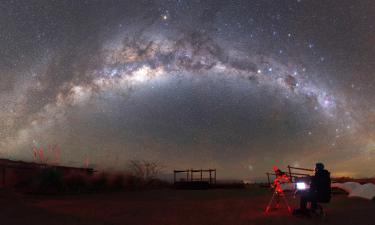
164	17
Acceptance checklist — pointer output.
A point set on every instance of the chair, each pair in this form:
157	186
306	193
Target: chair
320	211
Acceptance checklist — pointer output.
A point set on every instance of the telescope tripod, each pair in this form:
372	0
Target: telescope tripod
277	195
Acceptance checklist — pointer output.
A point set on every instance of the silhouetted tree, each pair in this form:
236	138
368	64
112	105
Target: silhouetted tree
145	170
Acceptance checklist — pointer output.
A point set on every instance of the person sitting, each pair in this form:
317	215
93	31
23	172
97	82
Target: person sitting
319	191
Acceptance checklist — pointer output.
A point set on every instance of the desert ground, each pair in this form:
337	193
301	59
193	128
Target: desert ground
172	207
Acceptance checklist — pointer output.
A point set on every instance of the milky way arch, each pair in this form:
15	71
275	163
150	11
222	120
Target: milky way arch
234	85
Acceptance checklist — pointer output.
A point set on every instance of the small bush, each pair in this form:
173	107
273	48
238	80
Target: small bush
133	182
157	183
144	170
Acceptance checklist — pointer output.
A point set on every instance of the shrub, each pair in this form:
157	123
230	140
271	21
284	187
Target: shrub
144	170
132	182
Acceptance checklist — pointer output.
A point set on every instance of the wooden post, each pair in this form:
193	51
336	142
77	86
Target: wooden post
290	173
174	176
210	176
201	175
191	175
268	177
187	175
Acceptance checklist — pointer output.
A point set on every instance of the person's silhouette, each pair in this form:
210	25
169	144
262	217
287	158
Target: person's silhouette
320	189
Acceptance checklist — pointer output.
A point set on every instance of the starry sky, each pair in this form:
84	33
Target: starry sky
234	85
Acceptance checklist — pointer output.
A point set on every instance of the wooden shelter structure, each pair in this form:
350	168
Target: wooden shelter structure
13	173
194	178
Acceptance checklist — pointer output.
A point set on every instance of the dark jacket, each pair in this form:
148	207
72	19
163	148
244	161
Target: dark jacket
320	186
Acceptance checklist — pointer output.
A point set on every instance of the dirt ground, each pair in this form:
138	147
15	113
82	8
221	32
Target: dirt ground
172	207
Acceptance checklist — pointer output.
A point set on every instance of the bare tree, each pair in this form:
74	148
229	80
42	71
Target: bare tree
145	170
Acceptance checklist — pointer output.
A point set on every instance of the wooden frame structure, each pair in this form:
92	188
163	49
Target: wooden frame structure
292	175
190	175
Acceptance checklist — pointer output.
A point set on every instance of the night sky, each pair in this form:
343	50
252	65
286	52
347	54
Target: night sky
234	85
